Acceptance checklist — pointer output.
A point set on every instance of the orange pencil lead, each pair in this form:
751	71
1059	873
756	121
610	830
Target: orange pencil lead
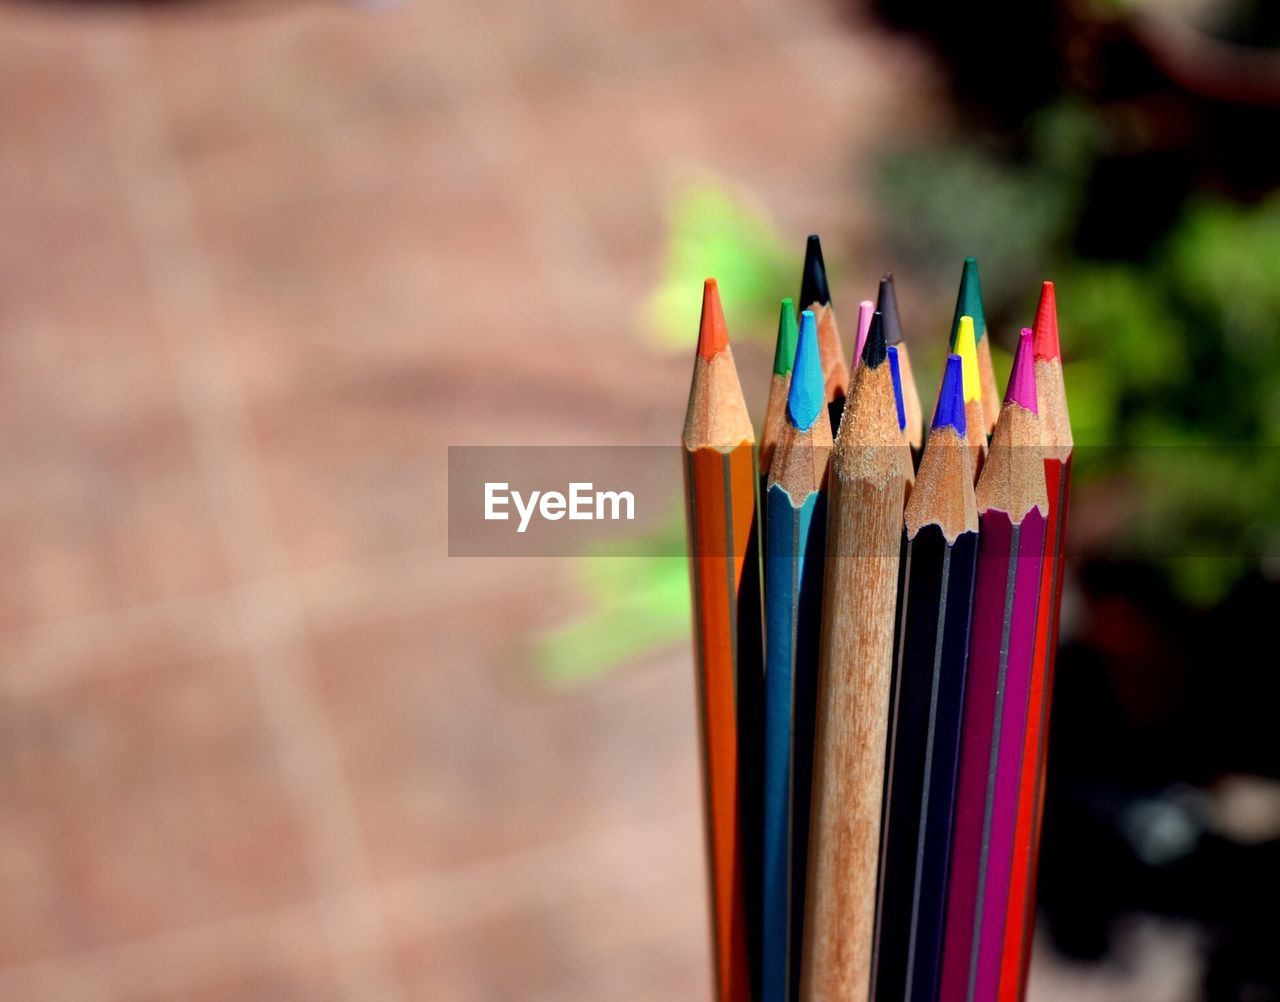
713	336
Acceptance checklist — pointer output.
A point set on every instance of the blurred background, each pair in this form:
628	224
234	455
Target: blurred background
262	262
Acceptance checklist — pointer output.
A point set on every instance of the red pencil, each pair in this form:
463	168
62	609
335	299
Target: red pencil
1051	398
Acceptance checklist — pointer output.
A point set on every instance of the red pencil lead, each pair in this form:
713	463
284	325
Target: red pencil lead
713	336
1046	325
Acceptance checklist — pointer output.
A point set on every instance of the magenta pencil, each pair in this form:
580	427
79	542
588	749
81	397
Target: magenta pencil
865	309
1012	508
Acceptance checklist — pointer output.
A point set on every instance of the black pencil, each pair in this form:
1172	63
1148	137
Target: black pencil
941	535
815	295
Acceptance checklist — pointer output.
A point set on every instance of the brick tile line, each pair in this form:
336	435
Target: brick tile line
217	415
582	869
502	128
67	651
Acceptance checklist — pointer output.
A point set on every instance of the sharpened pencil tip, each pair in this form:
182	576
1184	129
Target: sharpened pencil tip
950	412
966	347
969	302
1047	345
865	309
873	352
807	395
895	370
887	303
784	354
1022	378
713	336
813	281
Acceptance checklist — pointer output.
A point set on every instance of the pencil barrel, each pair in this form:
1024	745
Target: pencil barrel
921	785
1009	565
726	602
793	588
856	669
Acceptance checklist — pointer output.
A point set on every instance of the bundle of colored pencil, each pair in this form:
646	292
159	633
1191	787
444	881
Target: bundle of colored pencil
875	648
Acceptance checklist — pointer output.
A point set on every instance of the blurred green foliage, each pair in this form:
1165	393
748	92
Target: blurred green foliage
715	229
633	605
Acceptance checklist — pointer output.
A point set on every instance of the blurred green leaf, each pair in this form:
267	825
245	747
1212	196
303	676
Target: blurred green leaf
716	230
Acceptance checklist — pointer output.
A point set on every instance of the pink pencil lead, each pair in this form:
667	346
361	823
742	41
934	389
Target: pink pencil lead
1022	379
865	310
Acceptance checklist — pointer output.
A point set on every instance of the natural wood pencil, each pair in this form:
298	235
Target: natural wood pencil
869	469
720	479
1012	506
913	414
794	545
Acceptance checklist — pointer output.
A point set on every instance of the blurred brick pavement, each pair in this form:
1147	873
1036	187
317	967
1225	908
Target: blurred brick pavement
259	263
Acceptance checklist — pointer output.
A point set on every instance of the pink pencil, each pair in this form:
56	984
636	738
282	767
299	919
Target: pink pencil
865	309
1012	507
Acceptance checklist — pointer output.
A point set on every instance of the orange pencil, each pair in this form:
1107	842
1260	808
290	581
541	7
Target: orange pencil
720	480
1051	400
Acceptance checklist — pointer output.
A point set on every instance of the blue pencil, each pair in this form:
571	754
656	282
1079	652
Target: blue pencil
795	541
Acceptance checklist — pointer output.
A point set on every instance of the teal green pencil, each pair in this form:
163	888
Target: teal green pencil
795	541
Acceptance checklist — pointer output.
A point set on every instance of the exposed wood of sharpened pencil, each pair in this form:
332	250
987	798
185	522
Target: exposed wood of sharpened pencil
815	295
888	306
784	356
895	372
941	532
1051	398
974	416
1012	506
868	487
793	603
969	304
720	479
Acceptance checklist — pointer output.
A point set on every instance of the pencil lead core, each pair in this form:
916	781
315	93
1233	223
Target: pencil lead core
713	336
813	282
865	309
967	349
807	395
969	303
896	372
873	352
1046	324
887	303
1022	379
784	355
950	412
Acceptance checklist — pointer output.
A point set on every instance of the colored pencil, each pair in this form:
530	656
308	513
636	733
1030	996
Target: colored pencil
895	371
1051	398
888	306
720	479
784	356
869	467
969	304
974	418
793	604
1012	507
941	533
815	295
865	310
